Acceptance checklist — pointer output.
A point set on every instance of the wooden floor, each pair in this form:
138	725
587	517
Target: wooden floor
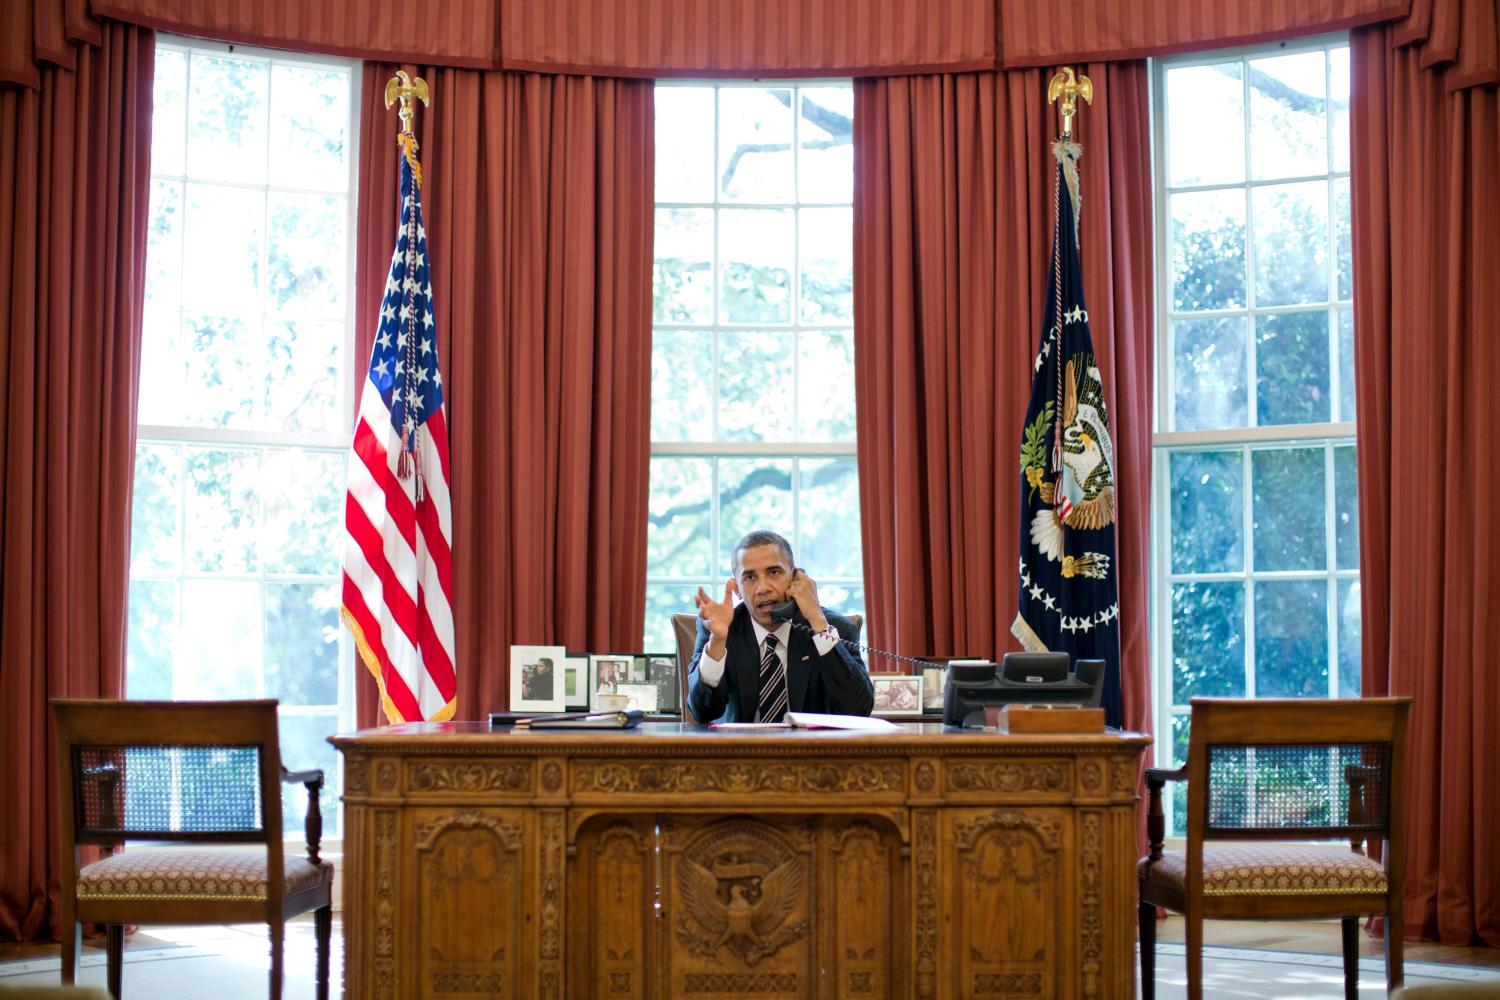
1320	937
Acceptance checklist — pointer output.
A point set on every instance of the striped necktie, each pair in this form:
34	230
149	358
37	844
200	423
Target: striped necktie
772	684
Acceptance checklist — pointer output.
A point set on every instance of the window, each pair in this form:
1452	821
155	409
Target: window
752	384
245	409
1256	561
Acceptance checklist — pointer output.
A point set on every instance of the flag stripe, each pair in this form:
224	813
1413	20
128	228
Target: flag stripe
401	605
395	687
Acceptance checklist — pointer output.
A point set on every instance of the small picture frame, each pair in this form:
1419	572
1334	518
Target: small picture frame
933	680
536	679
641	696
661	673
607	671
576	682
897	694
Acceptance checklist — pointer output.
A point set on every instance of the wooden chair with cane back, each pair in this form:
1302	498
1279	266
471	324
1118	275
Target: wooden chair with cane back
197	775
1272	775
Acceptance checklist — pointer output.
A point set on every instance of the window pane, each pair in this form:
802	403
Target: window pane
304	745
684	162
1343	240
1339	106
221	510
1181	727
227	119
169	112
1209	374
154	542
1206	124
663	600
829	514
164	245
825	390
1288	509
1291	639
225	365
302	643
1208	250
754	493
825	172
848	599
1288	131
1207	511
683	273
1346	507
755	144
162	369
755	385
302	511
223	234
302	376
1208	640
1291	243
310	128
1347	614
1291	368
682	384
755	265
826	239
305	267
1346	364
679	530
152	638
221	650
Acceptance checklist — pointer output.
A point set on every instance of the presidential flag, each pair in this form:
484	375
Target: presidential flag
398	561
1069	594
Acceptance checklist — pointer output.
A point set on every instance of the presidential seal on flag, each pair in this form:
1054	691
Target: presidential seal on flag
1069	594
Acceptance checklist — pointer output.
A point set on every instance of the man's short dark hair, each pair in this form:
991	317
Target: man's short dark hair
756	538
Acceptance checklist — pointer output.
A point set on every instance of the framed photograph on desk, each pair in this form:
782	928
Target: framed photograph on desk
897	695
576	682
536	679
607	671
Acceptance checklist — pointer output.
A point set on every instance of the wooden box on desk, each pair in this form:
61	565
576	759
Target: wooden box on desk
1044	719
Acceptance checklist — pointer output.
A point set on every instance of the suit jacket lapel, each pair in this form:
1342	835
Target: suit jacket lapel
799	662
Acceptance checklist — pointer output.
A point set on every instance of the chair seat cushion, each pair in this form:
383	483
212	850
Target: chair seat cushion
193	873
1269	870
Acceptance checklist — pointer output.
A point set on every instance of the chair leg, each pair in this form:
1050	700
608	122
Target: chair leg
323	921
1351	958
72	945
278	938
1146	913
1194	958
1394	943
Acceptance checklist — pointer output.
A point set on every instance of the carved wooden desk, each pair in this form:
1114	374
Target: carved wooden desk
679	861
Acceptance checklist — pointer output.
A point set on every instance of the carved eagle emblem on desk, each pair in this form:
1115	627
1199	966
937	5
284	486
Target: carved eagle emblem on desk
739	902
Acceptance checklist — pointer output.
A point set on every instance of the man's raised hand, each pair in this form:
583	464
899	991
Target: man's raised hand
717	615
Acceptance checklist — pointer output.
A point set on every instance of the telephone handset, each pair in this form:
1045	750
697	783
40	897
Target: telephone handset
784	612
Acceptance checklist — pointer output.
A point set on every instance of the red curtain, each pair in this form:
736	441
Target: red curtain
74	196
538	194
953	221
1426	227
748	38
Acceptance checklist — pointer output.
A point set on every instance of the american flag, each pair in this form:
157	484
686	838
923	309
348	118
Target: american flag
398	561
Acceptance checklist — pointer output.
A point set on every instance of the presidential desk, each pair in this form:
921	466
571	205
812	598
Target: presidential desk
678	861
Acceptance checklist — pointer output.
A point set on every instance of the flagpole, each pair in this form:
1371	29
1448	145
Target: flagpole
406	89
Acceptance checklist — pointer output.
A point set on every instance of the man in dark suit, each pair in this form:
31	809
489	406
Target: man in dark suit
748	668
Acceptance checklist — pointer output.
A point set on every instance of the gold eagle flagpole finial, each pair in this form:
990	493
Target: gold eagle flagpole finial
1063	84
403	88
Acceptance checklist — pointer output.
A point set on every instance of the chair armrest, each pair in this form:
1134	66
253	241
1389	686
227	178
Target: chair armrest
313	780
1358	776
1156	820
107	777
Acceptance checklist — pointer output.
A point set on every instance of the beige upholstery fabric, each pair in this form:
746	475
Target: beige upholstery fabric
1270	870
191	873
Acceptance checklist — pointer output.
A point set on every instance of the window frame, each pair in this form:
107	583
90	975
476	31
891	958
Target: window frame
1167	441
185	437
719	448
